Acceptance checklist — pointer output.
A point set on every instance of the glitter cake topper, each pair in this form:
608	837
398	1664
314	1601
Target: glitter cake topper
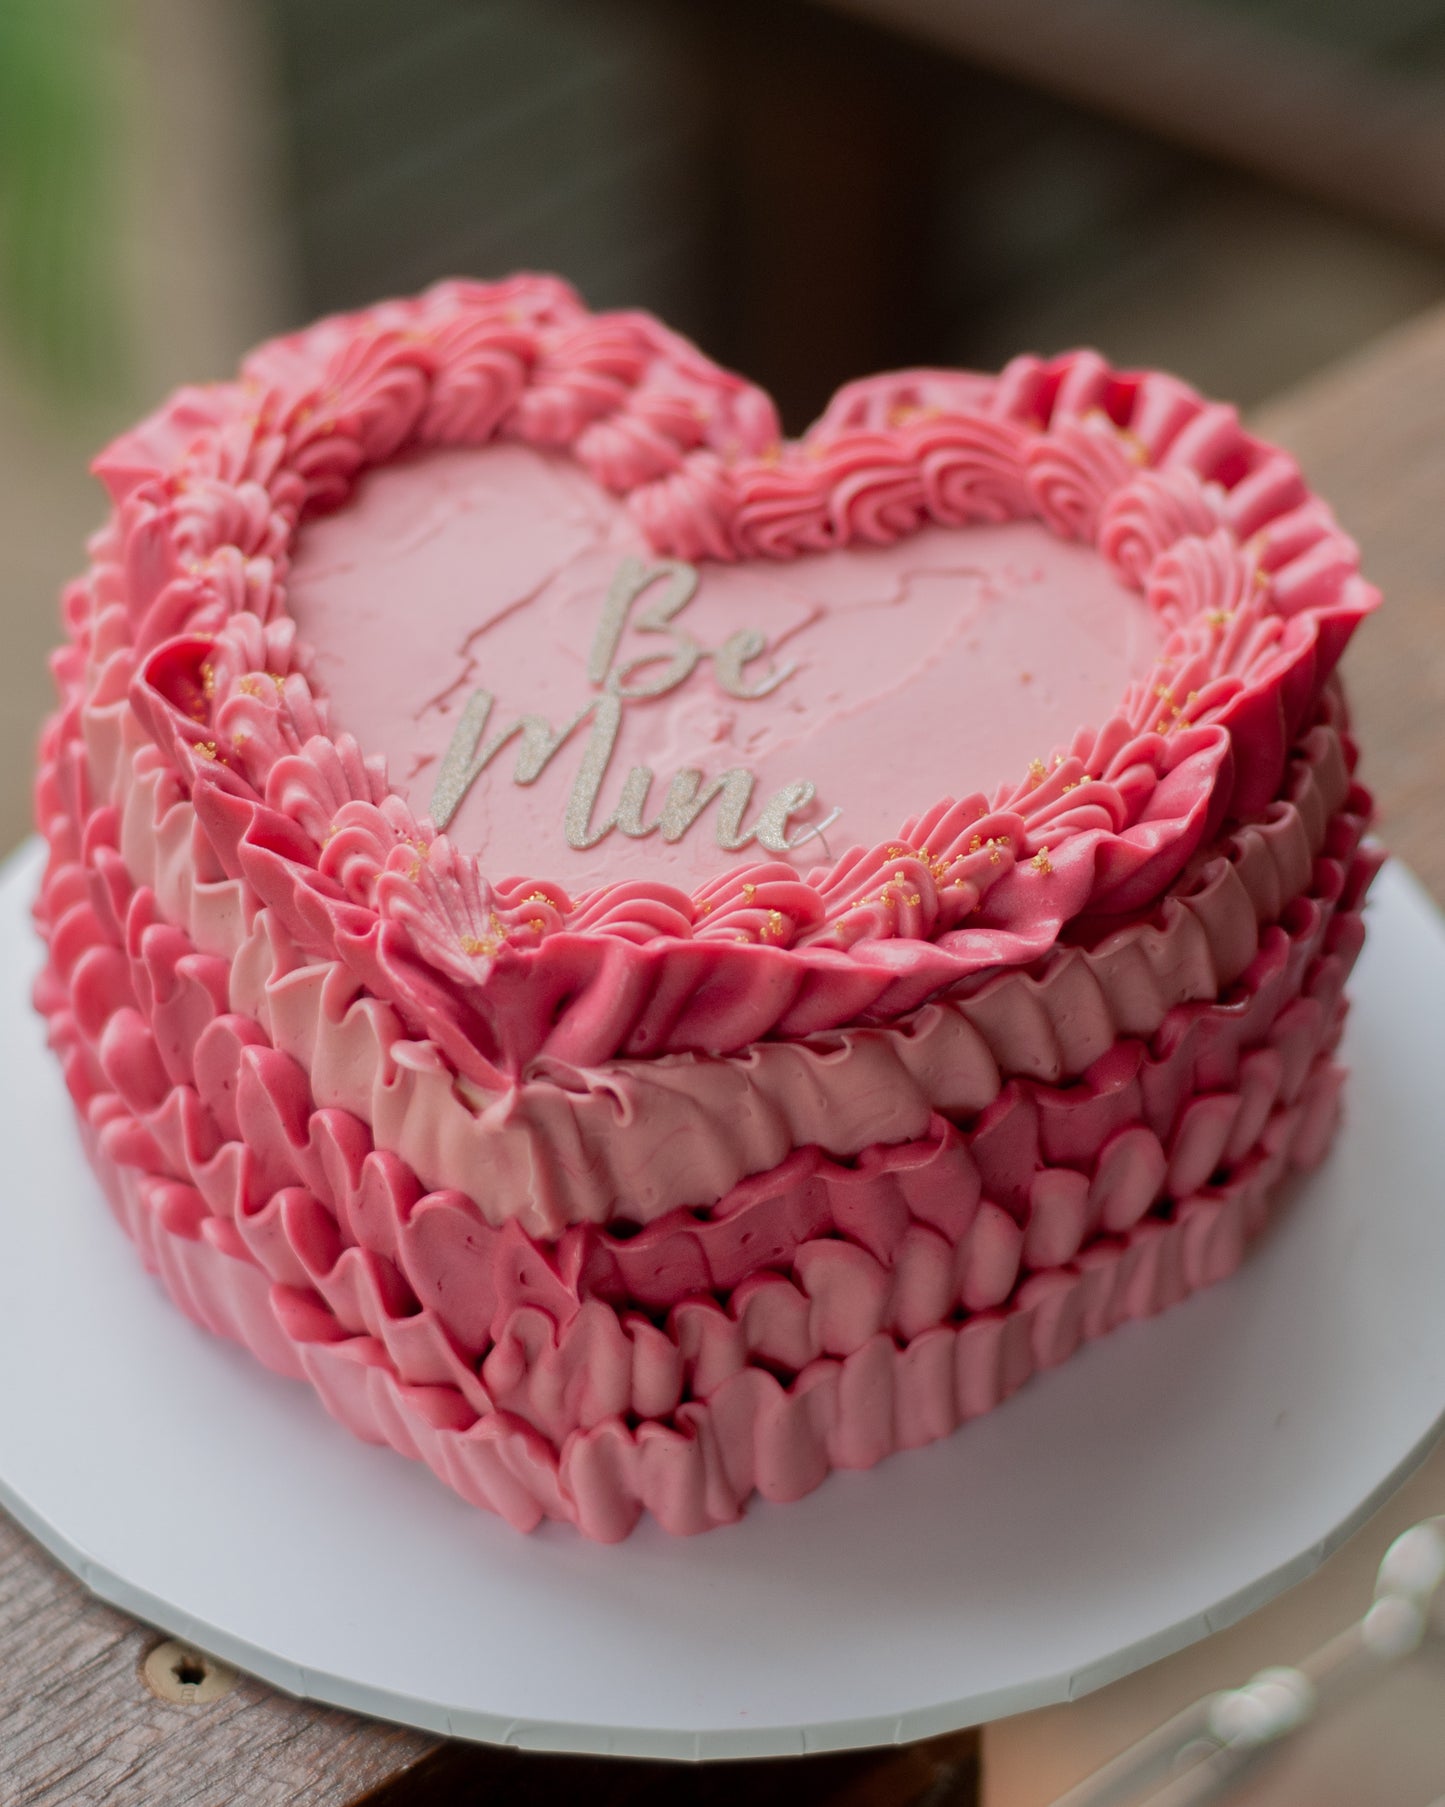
689	793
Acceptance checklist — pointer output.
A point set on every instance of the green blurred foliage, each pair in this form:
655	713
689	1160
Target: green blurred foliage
59	301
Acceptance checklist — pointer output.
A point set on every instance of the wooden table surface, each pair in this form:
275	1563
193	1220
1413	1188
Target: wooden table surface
77	1721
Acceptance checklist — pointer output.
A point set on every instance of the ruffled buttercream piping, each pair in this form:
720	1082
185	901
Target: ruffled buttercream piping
162	1022
840	1090
693	1463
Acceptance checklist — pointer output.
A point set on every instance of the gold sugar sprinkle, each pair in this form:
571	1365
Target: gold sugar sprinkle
250	685
206	749
208	679
1037	773
775	922
537	924
1041	861
914	901
749	893
992	845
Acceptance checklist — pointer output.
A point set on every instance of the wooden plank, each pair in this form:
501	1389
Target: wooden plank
79	1725
1370	435
1348	130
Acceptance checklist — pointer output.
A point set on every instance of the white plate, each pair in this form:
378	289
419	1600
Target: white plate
1163	1483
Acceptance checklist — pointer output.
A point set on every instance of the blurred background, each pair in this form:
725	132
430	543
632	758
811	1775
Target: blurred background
1241	190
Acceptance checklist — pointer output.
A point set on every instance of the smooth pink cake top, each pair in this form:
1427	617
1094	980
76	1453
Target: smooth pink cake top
972	654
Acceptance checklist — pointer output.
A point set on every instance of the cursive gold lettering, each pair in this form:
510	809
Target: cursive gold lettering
735	652
634	580
631	801
688	797
791	800
689	793
462	764
577	822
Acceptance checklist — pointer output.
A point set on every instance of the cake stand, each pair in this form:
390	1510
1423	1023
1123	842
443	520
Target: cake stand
1163	1483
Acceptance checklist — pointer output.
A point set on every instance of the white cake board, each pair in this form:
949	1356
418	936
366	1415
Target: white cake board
1167	1481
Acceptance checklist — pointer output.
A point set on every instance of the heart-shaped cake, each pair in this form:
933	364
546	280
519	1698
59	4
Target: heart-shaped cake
647	961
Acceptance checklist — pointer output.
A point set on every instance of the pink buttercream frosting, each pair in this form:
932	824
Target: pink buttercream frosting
645	1173
973	646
